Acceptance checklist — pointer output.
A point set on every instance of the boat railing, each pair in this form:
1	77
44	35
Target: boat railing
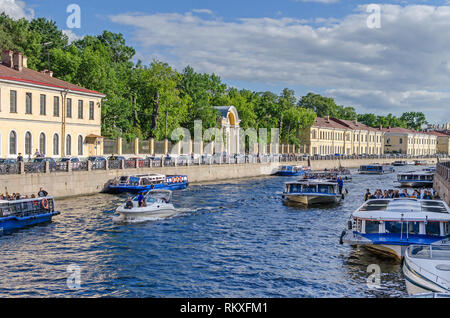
27	207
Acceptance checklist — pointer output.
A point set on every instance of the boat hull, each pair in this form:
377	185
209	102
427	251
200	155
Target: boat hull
289	174
415	184
417	283
141	213
312	199
15	223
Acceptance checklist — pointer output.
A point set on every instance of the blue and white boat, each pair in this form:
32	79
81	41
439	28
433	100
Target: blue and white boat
427	269
292	171
147	182
309	192
389	226
18	214
416	179
375	169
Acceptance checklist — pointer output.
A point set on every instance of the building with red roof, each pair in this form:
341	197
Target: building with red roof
41	113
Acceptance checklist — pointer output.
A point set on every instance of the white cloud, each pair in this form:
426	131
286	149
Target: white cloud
205	11
71	35
16	9
409	55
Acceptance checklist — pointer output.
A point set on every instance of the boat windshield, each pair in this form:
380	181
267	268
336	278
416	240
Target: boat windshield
325	188
134	181
439	252
309	189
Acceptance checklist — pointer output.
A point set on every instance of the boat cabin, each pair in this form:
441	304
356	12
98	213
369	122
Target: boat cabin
311	187
26	207
416	177
141	180
375	169
403	217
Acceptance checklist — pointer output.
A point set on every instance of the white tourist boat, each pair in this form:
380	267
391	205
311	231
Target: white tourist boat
389	226
157	205
309	192
375	169
427	269
416	179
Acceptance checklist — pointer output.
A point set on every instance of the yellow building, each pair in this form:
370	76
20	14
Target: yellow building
409	142
329	136
443	142
40	112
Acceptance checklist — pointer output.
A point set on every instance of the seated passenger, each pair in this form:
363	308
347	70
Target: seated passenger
129	204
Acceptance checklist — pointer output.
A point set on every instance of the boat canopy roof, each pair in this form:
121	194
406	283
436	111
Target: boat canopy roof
404	209
312	182
416	173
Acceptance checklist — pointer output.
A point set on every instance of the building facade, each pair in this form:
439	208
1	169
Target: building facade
41	113
329	136
409	142
443	142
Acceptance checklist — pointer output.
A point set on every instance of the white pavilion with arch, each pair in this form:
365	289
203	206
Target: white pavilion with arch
230	122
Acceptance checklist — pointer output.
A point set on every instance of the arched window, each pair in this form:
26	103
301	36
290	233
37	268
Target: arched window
12	143
80	145
55	145
68	145
42	144
28	144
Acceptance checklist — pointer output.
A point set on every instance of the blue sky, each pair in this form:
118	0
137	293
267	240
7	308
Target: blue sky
323	46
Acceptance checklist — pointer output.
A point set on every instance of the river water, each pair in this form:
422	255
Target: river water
231	239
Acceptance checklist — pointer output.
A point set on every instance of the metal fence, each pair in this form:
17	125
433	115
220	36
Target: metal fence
443	169
110	146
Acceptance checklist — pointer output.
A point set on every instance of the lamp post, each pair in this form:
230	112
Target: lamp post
63	121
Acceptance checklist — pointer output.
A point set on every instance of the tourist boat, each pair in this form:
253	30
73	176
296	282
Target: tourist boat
420	162
375	169
401	163
156	205
389	226
147	182
22	213
292	171
427	269
326	175
309	192
416	179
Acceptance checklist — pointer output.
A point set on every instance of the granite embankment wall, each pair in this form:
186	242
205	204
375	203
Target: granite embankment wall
442	181
77	183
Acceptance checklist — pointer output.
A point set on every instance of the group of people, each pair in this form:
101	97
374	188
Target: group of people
426	194
17	196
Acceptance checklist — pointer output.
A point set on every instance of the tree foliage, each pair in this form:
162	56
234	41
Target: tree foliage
139	96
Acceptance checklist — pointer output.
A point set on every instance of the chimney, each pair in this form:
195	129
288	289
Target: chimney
327	118
47	72
18	61
25	61
381	127
7	58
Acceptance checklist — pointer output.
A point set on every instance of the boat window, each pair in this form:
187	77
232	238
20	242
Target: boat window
433	228
295	188
358	225
123	179
309	188
324	188
394	227
413	227
151	200
372	227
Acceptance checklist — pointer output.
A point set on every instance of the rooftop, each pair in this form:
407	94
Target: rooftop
10	71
